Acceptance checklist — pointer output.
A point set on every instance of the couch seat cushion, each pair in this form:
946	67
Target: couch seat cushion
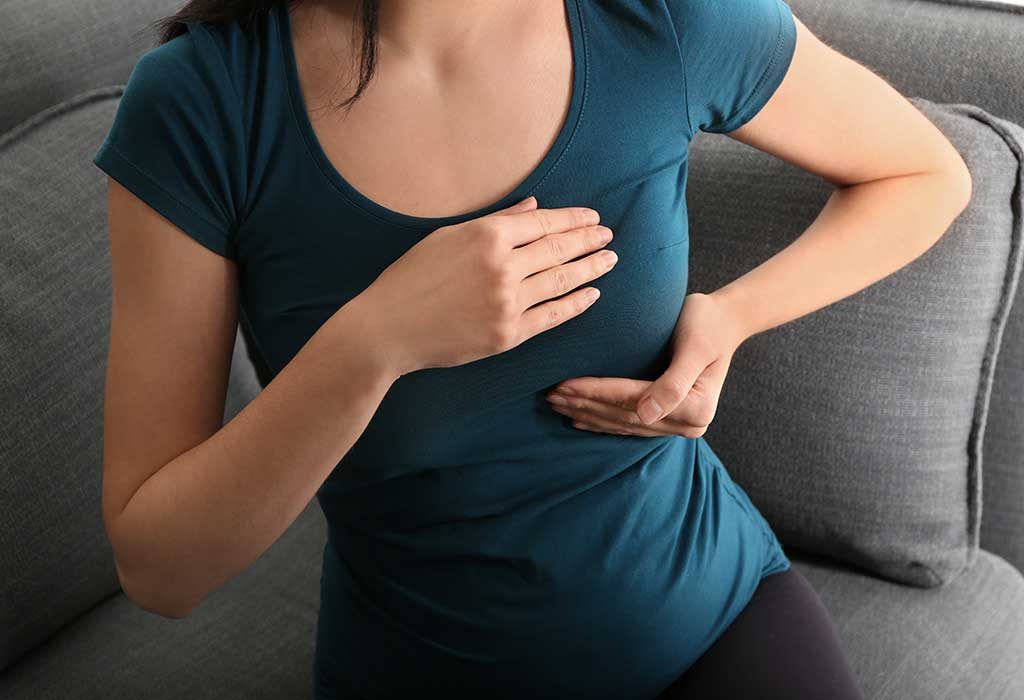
252	638
964	639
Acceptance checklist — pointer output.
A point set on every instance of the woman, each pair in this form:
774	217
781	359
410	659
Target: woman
411	258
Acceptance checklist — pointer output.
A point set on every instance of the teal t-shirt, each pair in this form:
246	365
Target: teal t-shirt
479	543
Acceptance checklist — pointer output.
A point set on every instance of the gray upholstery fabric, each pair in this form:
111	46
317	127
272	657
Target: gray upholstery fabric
856	429
244	383
1002	514
51	50
251	639
54	326
948	51
952	642
955	51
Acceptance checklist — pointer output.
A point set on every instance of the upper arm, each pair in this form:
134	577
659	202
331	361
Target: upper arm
836	118
172	331
176	181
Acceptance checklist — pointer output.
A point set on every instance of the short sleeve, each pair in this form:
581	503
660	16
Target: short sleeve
177	142
735	54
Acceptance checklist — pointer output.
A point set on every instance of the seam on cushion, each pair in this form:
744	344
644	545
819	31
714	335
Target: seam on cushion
222	236
934	579
24	657
43	116
740	113
84	98
1011	281
983	4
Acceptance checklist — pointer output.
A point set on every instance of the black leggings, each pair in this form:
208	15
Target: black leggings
783	644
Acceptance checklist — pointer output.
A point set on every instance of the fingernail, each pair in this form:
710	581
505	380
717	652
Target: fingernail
649	410
556	399
566	390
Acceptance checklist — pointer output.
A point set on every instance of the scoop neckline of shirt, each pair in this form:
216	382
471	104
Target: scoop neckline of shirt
522	190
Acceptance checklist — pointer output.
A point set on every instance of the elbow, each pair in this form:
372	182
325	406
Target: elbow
147	588
158	598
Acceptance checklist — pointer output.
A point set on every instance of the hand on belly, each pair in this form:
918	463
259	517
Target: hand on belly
682	401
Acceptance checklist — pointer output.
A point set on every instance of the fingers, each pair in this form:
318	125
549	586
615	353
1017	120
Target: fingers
620	391
551	251
594	408
522	227
542	317
672	388
608	419
610	412
667	392
556	281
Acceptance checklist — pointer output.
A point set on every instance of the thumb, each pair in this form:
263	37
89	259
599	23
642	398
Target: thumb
522	205
666	392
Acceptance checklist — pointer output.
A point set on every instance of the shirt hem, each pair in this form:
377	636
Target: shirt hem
782	57
110	159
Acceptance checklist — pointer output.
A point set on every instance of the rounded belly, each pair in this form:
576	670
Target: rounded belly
611	592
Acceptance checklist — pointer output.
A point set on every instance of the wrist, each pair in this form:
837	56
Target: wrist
732	299
360	321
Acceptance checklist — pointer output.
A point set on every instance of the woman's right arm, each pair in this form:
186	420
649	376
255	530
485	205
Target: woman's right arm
188	503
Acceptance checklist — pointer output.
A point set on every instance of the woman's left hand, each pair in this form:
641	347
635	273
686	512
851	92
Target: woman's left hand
683	400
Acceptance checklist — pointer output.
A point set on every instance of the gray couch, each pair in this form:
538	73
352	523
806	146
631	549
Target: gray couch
884	410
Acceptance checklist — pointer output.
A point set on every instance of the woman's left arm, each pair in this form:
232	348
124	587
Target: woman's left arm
899	185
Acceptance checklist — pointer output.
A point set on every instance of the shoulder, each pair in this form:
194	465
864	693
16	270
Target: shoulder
735	53
198	81
192	64
179	139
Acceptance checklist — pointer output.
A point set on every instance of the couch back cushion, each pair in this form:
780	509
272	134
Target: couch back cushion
857	429
973	53
947	50
55	297
51	50
1002	513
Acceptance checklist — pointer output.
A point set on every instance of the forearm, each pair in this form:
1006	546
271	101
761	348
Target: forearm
212	511
863	233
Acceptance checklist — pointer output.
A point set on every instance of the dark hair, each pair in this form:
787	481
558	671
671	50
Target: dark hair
245	12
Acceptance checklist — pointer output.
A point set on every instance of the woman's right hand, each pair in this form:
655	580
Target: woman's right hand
483	286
